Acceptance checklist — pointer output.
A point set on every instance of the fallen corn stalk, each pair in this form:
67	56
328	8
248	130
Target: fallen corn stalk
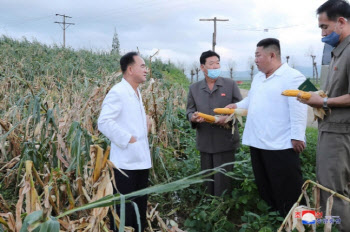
289	218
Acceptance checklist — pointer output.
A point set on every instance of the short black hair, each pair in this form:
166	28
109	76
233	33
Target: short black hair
270	43
207	54
126	60
335	9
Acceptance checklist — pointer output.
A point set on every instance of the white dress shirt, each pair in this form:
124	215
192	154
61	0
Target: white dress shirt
123	116
274	120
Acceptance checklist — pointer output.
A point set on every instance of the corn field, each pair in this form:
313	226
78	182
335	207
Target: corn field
52	154
54	169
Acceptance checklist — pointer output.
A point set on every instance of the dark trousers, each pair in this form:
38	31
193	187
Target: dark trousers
136	180
221	182
278	177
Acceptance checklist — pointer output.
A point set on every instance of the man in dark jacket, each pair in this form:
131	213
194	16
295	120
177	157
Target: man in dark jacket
216	143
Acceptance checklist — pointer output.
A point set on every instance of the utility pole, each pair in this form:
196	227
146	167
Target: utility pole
214	34
64	27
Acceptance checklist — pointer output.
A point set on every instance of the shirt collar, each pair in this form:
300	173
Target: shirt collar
340	48
129	87
278	72
218	82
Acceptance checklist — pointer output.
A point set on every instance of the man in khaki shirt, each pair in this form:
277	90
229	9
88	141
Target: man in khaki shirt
333	148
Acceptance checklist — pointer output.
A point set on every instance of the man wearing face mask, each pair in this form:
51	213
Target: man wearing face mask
216	143
333	146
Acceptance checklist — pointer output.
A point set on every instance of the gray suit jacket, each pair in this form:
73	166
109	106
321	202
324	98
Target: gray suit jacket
213	138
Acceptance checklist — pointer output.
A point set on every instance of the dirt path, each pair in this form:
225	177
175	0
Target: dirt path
310	115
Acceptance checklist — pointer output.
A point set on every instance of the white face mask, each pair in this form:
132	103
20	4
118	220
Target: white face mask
214	73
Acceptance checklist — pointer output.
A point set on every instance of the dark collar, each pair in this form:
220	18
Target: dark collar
218	82
340	48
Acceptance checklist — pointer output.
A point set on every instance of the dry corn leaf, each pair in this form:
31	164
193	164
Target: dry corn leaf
19	209
328	226
11	224
307	199
11	163
297	223
316	194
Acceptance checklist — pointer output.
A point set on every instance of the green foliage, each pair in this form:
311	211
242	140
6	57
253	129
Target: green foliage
39	223
32	60
22	63
245	85
169	72
308	156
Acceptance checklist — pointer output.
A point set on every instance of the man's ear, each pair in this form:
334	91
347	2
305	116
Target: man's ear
343	21
202	67
129	70
273	55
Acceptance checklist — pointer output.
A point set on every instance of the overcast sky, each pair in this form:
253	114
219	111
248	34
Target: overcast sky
172	26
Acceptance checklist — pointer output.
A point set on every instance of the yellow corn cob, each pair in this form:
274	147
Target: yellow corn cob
224	111
240	112
207	117
295	93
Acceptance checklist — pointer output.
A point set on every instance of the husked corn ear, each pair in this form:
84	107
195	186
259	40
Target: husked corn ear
295	93
224	111
240	112
207	117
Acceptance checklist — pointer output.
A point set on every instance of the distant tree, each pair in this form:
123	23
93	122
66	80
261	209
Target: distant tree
231	65
181	66
192	74
195	67
115	43
287	58
310	53
251	66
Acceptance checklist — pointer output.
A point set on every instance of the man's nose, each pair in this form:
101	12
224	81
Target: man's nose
324	33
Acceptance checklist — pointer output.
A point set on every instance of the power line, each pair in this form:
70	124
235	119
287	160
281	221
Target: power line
266	29
64	27
24	21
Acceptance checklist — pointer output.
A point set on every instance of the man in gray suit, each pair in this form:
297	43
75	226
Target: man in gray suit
216	143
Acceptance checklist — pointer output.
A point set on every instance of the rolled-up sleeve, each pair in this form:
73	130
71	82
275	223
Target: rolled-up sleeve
108	120
297	112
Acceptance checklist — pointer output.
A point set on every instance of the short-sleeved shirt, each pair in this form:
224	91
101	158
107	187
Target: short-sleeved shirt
337	84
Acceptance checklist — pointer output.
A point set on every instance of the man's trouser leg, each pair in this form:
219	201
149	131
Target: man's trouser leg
136	180
278	176
333	172
221	182
261	178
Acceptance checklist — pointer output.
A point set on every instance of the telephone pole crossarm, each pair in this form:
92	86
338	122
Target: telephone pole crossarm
214	34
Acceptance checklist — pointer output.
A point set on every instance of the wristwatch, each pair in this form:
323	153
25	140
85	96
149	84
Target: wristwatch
325	105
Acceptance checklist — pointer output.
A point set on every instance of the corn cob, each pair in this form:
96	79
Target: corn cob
207	117
240	112
224	111
295	93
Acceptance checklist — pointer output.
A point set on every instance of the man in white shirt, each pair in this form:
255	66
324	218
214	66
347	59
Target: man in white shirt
123	122
275	128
